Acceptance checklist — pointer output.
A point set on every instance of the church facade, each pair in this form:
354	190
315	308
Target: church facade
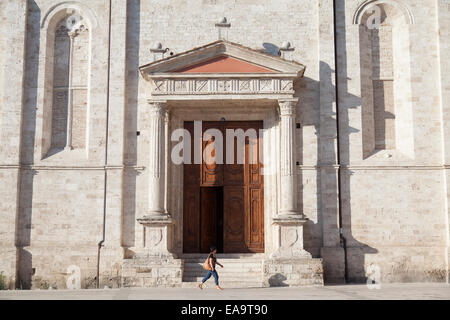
308	141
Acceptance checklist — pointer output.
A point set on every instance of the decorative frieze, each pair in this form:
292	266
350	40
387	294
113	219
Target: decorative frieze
200	86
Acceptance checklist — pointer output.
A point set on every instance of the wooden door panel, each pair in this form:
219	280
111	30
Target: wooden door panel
191	174
255	221
208	218
255	193
191	220
212	168
191	200
212	173
233	174
234	219
252	158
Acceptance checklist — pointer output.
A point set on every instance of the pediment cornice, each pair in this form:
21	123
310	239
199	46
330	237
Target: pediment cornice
167	81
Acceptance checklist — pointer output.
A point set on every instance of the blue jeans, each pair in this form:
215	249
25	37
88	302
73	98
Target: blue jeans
214	274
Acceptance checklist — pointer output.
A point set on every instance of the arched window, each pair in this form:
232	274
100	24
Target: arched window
385	78
71	52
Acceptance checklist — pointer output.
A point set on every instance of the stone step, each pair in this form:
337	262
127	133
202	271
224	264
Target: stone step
226	266
223	271
224	284
227	261
203	256
224	278
244	275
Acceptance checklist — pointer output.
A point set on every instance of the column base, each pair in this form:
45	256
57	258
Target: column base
157	236
290	264
289	236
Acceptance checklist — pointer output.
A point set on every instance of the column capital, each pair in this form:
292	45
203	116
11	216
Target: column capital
288	107
158	108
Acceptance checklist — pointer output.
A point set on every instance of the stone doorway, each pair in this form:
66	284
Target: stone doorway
224	199
178	94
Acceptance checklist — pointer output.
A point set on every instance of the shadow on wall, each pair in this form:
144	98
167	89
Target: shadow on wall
271	49
131	118
25	270
277	280
24	266
355	250
326	181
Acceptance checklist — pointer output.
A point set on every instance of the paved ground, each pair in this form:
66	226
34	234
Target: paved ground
387	291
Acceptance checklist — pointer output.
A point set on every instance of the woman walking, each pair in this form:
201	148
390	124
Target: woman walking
212	261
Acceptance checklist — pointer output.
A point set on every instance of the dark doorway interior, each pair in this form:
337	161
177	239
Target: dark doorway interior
211	218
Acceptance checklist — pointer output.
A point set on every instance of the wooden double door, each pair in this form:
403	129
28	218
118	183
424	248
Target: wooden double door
224	200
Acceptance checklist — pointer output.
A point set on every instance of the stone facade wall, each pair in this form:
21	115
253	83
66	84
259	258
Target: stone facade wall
443	16
14	24
394	198
394	202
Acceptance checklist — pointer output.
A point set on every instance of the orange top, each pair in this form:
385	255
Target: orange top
224	64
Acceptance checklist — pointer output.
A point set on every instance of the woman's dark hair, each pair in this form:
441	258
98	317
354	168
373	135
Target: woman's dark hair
211	249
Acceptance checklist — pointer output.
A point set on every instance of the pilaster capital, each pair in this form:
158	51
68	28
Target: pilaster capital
288	107
158	109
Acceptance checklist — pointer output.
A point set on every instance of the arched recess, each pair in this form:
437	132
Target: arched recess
385	72
400	8
67	28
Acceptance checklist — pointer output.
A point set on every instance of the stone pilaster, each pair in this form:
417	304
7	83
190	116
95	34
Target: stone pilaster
156	166
72	35
288	205
157	221
289	264
288	224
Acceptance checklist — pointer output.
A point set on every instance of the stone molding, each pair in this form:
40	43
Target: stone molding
166	82
156	220
289	220
222	48
221	85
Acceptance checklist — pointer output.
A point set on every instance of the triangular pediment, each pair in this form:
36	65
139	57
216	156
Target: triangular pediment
222	57
224	64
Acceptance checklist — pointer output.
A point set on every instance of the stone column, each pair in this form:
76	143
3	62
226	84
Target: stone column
157	220
72	35
288	205
288	223
157	166
69	146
